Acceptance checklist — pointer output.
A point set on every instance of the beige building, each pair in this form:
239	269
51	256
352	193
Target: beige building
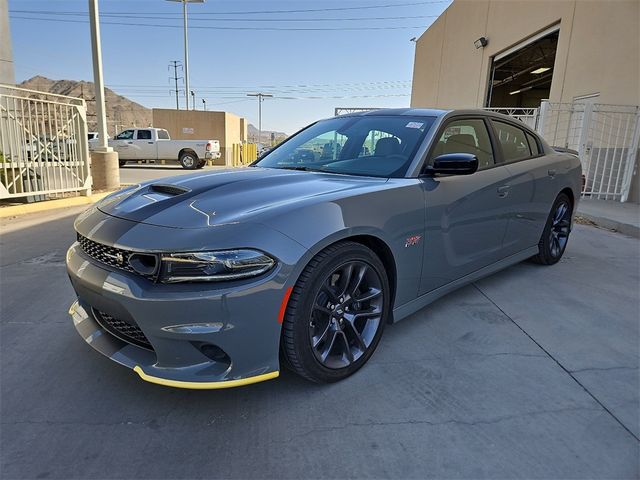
225	127
7	75
580	48
569	68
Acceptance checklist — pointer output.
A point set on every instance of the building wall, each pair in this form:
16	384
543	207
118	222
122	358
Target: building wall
7	73
598	49
199	125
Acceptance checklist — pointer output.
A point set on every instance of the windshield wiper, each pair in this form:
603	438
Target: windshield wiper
299	168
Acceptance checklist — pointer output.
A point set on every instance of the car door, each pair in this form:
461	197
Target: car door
144	145
465	214
123	144
530	185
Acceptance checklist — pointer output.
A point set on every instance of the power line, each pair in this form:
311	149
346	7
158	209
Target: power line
128	16
336	9
154	25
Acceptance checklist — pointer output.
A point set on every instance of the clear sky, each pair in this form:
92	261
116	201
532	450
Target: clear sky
313	55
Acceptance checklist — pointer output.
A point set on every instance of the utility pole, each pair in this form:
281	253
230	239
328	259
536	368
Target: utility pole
204	105
176	64
104	165
186	46
193	97
260	96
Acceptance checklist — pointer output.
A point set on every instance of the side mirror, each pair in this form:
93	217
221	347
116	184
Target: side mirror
454	164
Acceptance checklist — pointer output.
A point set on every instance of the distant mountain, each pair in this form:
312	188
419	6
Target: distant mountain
121	112
252	134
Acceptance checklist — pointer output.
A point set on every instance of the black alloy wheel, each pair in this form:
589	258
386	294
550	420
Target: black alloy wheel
346	314
556	232
336	313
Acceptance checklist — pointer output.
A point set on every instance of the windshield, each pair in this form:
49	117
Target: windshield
381	146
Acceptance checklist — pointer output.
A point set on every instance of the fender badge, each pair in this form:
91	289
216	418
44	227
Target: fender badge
412	240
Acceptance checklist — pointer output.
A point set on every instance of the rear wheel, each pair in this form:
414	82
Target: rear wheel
336	313
122	163
189	160
201	163
556	232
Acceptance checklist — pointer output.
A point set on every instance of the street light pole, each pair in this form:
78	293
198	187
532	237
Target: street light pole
98	81
104	161
186	46
260	96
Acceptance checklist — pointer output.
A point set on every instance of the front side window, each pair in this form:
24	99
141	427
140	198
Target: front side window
381	146
144	134
512	140
126	135
466	136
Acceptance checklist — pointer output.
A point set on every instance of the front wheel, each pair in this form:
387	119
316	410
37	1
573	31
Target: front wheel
556	232
189	160
336	313
122	163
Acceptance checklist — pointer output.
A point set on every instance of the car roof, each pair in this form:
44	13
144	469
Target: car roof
435	112
426	112
415	112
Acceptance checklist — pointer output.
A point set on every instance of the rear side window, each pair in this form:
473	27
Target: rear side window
163	135
466	136
533	145
512	140
144	134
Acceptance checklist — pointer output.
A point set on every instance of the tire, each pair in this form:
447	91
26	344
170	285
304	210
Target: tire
325	339
555	235
122	163
189	160
201	164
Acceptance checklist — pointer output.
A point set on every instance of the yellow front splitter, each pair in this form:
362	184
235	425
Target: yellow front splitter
204	385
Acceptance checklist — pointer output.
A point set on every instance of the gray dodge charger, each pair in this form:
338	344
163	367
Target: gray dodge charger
219	279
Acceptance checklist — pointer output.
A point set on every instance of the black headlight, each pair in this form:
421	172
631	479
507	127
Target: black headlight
214	266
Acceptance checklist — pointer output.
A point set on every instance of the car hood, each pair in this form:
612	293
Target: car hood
227	196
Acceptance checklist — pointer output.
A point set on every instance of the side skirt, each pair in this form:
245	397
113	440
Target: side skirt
422	301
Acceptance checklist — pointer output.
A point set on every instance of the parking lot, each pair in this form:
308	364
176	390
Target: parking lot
531	373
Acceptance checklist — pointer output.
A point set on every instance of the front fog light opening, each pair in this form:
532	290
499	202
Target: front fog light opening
214	353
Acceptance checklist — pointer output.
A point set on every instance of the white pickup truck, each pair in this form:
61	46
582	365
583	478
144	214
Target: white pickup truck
155	144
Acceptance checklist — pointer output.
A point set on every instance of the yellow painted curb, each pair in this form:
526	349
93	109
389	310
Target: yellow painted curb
15	210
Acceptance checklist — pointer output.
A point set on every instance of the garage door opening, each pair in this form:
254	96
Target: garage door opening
521	77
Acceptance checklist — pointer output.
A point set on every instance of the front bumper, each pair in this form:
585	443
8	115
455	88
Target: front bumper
180	321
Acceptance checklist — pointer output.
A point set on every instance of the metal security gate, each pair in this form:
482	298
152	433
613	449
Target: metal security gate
606	138
43	145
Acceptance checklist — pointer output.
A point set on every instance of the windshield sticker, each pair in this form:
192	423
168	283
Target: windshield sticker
415	125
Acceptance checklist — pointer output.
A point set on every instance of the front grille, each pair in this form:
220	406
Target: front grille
114	257
144	264
123	330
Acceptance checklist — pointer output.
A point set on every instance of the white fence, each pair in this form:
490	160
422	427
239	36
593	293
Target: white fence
605	137
43	145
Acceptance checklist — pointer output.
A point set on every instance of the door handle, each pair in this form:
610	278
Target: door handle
150	143
551	173
503	190
130	143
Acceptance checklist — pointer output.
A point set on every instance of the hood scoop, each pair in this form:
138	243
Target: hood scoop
168	189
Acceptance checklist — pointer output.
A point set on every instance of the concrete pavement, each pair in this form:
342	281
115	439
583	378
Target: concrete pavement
531	373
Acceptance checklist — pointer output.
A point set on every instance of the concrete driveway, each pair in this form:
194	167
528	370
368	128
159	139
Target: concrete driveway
532	373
